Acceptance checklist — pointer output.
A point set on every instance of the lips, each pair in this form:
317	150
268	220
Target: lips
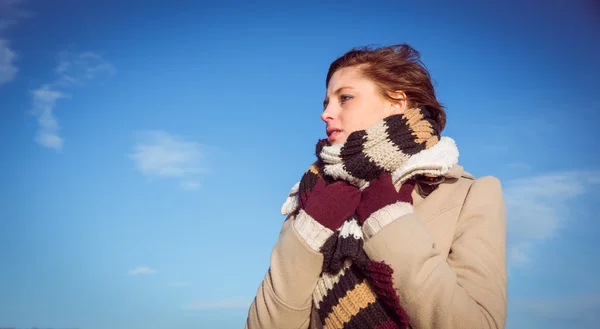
332	133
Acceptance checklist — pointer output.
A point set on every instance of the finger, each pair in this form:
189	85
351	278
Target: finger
338	183
351	189
385	176
320	184
343	186
406	189
384	180
306	191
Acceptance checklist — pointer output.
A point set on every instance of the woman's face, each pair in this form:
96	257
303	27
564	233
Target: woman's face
353	103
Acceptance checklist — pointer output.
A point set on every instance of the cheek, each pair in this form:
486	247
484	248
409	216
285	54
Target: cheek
352	120
365	117
375	115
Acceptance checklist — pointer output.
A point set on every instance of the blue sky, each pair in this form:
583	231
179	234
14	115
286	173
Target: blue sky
147	149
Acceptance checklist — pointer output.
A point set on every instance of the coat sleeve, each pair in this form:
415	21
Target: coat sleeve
284	297
466	290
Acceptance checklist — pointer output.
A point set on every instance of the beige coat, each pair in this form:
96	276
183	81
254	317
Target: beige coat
448	257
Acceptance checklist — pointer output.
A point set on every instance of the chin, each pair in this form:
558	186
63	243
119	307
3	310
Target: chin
337	141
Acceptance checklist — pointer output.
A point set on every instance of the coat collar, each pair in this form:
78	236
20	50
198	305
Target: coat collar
444	196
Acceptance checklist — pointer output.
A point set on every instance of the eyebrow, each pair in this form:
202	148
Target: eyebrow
326	101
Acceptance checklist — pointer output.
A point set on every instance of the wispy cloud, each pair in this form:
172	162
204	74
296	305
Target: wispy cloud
72	70
8	68
10	14
223	304
142	270
77	69
539	206
190	185
44	100
162	155
573	311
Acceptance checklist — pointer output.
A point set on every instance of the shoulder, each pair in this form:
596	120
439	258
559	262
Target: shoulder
484	196
463	187
485	192
460	175
485	187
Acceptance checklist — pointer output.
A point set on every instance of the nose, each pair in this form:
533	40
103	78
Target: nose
327	115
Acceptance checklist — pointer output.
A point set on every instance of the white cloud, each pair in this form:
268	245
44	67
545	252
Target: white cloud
142	270
73	70
581	311
43	103
190	185
10	14
537	207
160	154
77	69
8	69
224	304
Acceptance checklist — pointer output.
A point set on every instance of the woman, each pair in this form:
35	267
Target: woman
386	229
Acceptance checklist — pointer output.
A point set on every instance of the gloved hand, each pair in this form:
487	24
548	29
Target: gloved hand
324	209
381	204
332	204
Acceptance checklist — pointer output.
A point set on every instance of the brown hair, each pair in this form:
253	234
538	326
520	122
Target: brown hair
394	68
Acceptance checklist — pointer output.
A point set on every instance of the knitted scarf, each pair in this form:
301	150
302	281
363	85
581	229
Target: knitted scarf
354	291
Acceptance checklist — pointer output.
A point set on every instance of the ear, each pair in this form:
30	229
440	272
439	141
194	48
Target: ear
399	104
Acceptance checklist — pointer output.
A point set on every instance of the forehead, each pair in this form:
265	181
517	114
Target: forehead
346	77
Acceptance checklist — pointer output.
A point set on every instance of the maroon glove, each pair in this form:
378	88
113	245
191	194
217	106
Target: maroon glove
332	204
380	193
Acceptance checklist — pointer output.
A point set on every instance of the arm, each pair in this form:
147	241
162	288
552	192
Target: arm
466	291
284	298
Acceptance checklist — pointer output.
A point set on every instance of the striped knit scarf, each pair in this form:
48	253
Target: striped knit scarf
354	291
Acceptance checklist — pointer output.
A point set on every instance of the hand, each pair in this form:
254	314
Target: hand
332	204
381	192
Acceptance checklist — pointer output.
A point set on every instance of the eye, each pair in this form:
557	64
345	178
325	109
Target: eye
345	98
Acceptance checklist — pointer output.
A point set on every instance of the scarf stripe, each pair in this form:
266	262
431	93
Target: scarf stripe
356	162
335	167
346	243
345	283
357	298
373	316
378	148
397	133
327	282
354	291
